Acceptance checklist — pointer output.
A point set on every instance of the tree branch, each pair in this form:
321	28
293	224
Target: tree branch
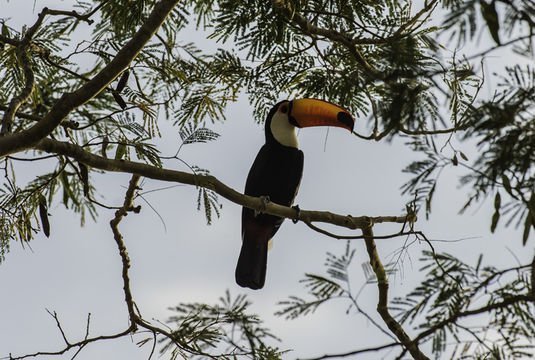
8	40
382	306
28	138
311	29
489	307
78	344
136	319
83	17
212	183
71	124
128	205
356	352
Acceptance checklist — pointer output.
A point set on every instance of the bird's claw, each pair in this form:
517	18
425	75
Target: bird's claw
297	213
265	201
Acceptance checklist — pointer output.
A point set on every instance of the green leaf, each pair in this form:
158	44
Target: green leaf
5	30
189	134
497	201
507	185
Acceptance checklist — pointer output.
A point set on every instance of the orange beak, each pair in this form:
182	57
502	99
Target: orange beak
314	112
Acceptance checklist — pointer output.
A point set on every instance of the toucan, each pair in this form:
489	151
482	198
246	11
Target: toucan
275	176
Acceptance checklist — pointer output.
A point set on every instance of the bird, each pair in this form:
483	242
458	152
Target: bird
275	176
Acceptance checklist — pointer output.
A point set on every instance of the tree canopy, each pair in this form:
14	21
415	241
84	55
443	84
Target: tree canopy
86	87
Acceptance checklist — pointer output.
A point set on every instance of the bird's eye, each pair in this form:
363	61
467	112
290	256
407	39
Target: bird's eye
284	108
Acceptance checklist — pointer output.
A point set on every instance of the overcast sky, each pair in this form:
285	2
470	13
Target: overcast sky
78	271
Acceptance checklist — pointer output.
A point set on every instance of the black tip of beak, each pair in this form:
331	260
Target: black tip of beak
345	119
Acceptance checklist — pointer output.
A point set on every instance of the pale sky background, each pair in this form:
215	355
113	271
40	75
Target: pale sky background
78	270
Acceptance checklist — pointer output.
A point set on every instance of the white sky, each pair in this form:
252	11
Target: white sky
78	271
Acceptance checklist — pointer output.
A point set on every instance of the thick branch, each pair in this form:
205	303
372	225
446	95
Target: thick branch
28	138
382	306
209	182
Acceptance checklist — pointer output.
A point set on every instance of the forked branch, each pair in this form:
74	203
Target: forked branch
212	183
382	306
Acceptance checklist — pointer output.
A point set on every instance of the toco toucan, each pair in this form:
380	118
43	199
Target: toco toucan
276	174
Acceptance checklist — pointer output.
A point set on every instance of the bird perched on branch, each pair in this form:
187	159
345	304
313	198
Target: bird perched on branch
275	176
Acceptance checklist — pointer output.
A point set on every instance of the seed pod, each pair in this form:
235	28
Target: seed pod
122	81
43	214
455	161
119	100
84	174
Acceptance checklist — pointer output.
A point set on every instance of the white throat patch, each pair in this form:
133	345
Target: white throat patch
283	131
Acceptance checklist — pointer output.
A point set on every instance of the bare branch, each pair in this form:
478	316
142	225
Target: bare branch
382	306
355	237
128	205
55	316
78	344
356	352
212	183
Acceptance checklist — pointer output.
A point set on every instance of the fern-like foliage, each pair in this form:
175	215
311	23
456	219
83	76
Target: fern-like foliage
19	220
506	137
443	306
336	284
191	134
425	173
221	331
207	199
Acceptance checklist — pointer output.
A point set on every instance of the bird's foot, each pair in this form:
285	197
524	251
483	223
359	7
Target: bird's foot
265	201
297	214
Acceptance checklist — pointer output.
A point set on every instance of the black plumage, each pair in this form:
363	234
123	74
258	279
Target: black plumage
276	173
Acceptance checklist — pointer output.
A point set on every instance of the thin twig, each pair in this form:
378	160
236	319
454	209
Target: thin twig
58	324
489	307
356	352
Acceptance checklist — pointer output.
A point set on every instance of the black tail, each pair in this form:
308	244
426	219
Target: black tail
251	268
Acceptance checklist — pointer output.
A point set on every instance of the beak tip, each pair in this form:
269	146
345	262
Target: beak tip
346	119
